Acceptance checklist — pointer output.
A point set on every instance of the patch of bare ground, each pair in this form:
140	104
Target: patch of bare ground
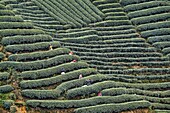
138	111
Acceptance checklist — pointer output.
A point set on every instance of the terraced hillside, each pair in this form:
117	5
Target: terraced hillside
94	41
134	70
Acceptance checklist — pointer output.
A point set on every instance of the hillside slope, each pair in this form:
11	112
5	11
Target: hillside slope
104	44
32	60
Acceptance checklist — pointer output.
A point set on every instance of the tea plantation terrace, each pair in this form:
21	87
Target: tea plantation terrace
127	40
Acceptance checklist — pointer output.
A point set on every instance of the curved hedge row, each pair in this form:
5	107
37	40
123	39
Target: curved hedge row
6	88
31	47
38	55
119	54
148	64
144	5
110	108
56	79
99	2
11	19
41	64
15	25
163	38
1	55
95	46
125	59
166	50
155	32
82	39
40	94
2	7
109	5
53	70
101	33
141	71
110	23
96	78
125	2
161	106
20	39
60	104
147	12
76	34
115	49
4	76
150	19
161	45
6	13
120	91
151	26
95	88
12	32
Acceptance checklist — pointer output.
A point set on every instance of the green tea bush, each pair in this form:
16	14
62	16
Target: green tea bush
162	39
1	55
166	50
147	12
106	33
95	9
116	18
7	103
161	106
11	19
38	55
111	23
40	94
129	2
40	4
114	108
4	76
161	45
82	39
120	54
150	19
12	32
112	10
99	2
156	32
20	39
110	84
60	104
76	34
2	7
18	48
122	27
151	26
41	64
56	79
75	11
13	25
115	14
109	5
52	70
144	5
120	91
6	88
82	10
6	13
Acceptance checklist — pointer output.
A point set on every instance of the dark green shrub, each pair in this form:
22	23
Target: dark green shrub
19	48
114	108
38	55
6	88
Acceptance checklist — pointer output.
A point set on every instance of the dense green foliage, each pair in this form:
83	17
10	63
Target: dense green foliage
109	108
6	88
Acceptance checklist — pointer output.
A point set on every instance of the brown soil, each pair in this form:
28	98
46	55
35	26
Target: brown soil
138	111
